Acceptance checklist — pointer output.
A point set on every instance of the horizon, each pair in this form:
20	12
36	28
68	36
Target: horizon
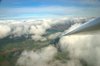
17	9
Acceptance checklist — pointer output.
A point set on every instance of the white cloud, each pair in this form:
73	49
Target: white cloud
4	31
32	28
37	58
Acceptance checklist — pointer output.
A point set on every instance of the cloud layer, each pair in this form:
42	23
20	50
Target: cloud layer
80	50
34	29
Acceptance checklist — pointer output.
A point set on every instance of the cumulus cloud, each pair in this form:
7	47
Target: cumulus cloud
4	31
33	28
82	50
37	58
38	38
17	28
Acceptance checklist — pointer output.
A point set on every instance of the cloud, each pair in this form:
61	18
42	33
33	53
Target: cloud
38	38
4	31
54	36
37	58
81	48
76	50
33	28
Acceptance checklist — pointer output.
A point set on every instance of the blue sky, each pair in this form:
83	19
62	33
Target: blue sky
48	8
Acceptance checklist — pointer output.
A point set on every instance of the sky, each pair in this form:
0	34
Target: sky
48	8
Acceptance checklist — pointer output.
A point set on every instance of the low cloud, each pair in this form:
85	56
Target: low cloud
4	31
34	29
76	50
37	58
82	48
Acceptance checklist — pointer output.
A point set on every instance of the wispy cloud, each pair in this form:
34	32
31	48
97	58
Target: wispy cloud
50	10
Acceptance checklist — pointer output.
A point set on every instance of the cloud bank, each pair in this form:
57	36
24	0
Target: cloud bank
82	50
34	29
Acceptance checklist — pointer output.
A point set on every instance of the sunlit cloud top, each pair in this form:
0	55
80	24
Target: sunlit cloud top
48	8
